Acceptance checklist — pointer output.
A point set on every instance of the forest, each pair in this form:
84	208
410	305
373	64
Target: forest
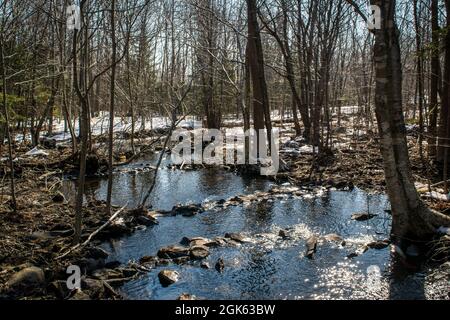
224	149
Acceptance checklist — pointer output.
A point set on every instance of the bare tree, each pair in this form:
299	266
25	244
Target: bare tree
434	79
112	102
5	14
411	219
261	108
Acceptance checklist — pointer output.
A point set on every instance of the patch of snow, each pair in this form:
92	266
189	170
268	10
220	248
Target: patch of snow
307	149
291	152
437	196
36	152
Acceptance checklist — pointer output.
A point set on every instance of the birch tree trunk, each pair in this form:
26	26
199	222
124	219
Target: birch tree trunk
411	218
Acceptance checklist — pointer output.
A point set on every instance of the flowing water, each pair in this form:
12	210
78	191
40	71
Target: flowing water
267	266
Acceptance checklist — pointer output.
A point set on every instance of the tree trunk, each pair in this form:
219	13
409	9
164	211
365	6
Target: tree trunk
67	118
48	109
261	109
411	219
283	43
419	78
434	80
444	132
83	149
79	79
111	107
7	128
131	101
205	56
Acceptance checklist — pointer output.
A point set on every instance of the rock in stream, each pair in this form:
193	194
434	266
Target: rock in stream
168	277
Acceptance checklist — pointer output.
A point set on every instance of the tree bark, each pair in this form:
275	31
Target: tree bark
434	80
7	128
411	219
111	106
419	78
444	130
261	108
48	109
205	55
79	79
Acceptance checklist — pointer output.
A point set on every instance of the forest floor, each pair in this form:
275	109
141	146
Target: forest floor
39	233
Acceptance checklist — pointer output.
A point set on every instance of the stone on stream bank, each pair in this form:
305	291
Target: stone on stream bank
173	251
146	221
168	277
115	277
29	278
90	289
80	295
195	251
105	274
196	248
144	216
377	245
198	252
118	228
89	265
363	216
220	265
311	246
124	225
235	237
93	288
187	210
59	288
186	296
180	260
199	241
148	261
283	234
333	237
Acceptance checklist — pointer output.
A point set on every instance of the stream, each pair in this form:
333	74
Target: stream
267	266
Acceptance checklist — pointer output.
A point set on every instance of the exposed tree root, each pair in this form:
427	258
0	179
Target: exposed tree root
434	219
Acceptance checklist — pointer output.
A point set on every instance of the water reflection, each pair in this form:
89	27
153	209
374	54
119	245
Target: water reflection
172	186
406	282
268	267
